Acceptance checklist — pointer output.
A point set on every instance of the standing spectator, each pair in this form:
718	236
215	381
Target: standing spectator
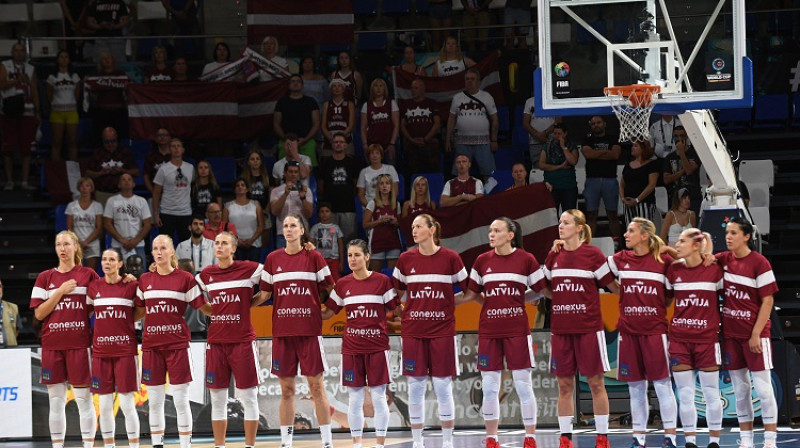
214	224
205	189
328	238
260	181
440	14
20	114
368	177
108	164
222	56
108	18
380	119
291	145
517	12
172	202
473	117
159	71
476	13
290	197
381	224
297	114
462	189
63	90
338	115
85	218
638	183
180	68
420	201
108	106
127	219
601	151
247	216
679	218
451	60
347	72
183	16
10	323
336	185
662	135
539	130
409	63
558	163
75	25
682	169
198	249
420	124
280	68
314	84
159	155
519	176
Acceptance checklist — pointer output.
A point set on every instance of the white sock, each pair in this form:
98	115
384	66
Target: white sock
601	424
565	424
491	436
691	439
640	438
530	436
325	433
770	436
713	439
447	435
416	434
185	440
747	438
286	435
672	438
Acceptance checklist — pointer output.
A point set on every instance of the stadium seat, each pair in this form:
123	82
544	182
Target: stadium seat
795	110
752	171
519	112
61	218
735	119
224	171
503	179
360	219
372	41
504	121
759	194
435	184
771	111
605	244
401	188
520	140
536	176
421	6
506	156
662	200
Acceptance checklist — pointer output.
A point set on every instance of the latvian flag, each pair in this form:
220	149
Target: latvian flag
442	89
465	228
257	106
308	22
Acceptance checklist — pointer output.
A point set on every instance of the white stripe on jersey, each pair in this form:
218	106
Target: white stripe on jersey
612	266
741	280
506	276
580	273
229	284
108	301
322	273
601	271
256	277
641	275
433	278
39	293
704	286
475	277
193	293
156	294
292	275
365	298
535	277
765	279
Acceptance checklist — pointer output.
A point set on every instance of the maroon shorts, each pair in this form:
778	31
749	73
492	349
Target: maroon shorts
642	357
19	135
698	356
71	366
430	356
736	355
120	374
586	352
365	369
517	351
156	364
239	359
290	351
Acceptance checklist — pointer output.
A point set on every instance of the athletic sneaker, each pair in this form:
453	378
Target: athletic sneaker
601	441
668	443
741	444
635	443
492	443
327	445
769	444
530	442
419	445
447	444
565	442
690	445
713	445
9	186
27	187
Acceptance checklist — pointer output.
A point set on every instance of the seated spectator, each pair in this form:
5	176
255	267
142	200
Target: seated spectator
127	219
409	63
297	114
328	239
280	68
180	69
289	197
368	177
214	224
248	218
108	106
420	124
380	119
222	56
420	201
108	18
346	71
198	249
637	185
336	185
338	115
85	218
159	155
172	200
451	61
108	163
314	84
159	71
539	130
381	224
205	189
462	189
519	174
63	91
679	217
291	145
558	162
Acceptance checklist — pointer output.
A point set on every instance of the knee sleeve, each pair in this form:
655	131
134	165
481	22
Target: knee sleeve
128	405
381	406
219	404
686	385
640	408
769	408
443	386
491	395
709	381
417	386
667	403
741	390
155	404
249	399
107	425
183	411
57	395
355	411
88	417
527	399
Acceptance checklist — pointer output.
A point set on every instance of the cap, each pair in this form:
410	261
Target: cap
337	81
683	192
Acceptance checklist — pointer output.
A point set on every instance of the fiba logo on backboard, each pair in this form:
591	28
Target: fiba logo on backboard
561	80
562	69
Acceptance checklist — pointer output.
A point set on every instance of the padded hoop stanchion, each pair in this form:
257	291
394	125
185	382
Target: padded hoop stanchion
633	105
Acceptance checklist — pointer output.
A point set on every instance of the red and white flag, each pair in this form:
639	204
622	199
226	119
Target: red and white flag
308	22
257	106
442	89
465	229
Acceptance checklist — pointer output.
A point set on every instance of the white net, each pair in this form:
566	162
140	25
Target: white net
633	107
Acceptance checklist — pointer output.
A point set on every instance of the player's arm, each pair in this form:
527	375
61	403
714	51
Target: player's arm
613	287
260	298
469	295
138	313
206	309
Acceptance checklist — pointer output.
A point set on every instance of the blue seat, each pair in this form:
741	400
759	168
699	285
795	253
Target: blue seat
397	7
140	147
224	170
138	181
507	156
372	42
334	48
360	219
735	119
268	160
519	111
61	217
503	179
435	184
504	120
520	140
771	111
365	7
401	188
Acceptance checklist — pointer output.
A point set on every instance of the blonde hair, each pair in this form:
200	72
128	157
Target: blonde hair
372	85
443	51
76	241
700	237
85	179
585	234
379	196
173	259
654	242
427	191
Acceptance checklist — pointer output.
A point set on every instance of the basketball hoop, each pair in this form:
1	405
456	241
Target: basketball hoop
633	105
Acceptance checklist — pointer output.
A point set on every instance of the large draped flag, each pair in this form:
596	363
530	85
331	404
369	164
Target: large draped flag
308	22
465	228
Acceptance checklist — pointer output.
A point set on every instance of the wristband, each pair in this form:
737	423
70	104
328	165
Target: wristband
637	200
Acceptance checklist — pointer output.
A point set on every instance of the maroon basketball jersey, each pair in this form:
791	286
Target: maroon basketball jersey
696	292
230	293
747	281
642	300
365	302
379	123
114	334
165	298
67	327
338	116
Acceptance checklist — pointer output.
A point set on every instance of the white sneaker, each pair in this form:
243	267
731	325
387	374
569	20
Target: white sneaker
447	444
26	186
9	186
419	445
769	444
